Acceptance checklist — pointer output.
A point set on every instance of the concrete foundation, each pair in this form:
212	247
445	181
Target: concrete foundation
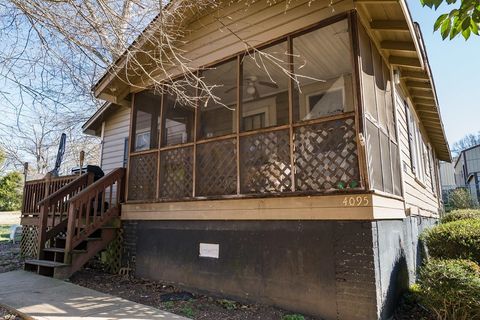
329	269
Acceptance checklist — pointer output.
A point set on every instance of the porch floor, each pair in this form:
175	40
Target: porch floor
45	298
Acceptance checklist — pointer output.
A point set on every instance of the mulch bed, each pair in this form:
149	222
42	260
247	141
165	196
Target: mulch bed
195	306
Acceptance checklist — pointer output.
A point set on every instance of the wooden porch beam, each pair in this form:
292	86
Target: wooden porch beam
397	45
421	93
389	25
429	101
419	85
418	75
405	62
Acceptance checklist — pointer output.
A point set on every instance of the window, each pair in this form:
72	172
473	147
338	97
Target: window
146	113
324	72
218	117
418	150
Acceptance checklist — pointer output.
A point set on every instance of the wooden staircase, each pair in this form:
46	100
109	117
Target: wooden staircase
76	222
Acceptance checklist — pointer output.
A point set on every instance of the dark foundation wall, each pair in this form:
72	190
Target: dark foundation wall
320	268
397	258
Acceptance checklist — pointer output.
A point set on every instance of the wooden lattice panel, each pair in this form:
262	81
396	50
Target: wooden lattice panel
216	168
176	173
265	162
326	156
29	242
142	181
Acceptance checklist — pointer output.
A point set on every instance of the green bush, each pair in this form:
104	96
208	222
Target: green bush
454	240
461	214
450	289
460	198
293	317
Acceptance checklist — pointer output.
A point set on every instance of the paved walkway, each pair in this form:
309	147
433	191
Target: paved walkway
45	298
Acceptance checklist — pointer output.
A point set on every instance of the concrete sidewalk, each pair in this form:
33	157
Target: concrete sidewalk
46	298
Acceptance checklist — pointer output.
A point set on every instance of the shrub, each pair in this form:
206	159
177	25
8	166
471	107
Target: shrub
450	289
454	240
460	198
461	214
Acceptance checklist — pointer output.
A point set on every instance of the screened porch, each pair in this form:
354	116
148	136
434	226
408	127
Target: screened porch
270	135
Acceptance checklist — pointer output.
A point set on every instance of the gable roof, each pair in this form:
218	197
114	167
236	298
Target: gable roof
391	28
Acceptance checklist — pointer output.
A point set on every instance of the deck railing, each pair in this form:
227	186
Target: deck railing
36	190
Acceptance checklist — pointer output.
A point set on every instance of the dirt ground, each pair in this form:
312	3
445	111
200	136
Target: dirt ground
171	299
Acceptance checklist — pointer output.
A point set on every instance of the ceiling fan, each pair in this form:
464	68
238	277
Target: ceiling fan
250	83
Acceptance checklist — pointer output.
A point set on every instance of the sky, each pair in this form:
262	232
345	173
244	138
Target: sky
456	71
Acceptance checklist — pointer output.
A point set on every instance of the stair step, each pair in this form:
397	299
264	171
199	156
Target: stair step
87	239
62	250
45	263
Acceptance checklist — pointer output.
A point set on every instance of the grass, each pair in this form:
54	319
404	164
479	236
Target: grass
4	232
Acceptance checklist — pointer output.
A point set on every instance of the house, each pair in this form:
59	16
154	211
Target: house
467	171
309	196
447	179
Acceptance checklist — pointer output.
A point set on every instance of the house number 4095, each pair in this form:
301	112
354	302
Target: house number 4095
355	201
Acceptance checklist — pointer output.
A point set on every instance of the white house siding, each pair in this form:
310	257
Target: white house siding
116	130
420	198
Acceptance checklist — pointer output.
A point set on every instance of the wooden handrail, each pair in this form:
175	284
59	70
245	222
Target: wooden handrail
67	188
103	181
90	209
54	207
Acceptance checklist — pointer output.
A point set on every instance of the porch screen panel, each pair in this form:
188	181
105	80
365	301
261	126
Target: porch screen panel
217	118
326	156
367	73
374	156
146	113
265	88
176	173
265	163
216	168
397	183
386	163
142	180
178	121
323	65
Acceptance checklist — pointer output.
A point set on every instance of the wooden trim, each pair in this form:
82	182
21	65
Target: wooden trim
160	140
325	119
239	116
329	207
290	114
130	144
357	91
139	153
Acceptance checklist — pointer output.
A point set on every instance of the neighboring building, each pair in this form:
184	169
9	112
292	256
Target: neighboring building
447	179
467	171
316	202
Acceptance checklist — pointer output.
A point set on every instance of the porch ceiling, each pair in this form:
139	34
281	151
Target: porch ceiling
401	44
